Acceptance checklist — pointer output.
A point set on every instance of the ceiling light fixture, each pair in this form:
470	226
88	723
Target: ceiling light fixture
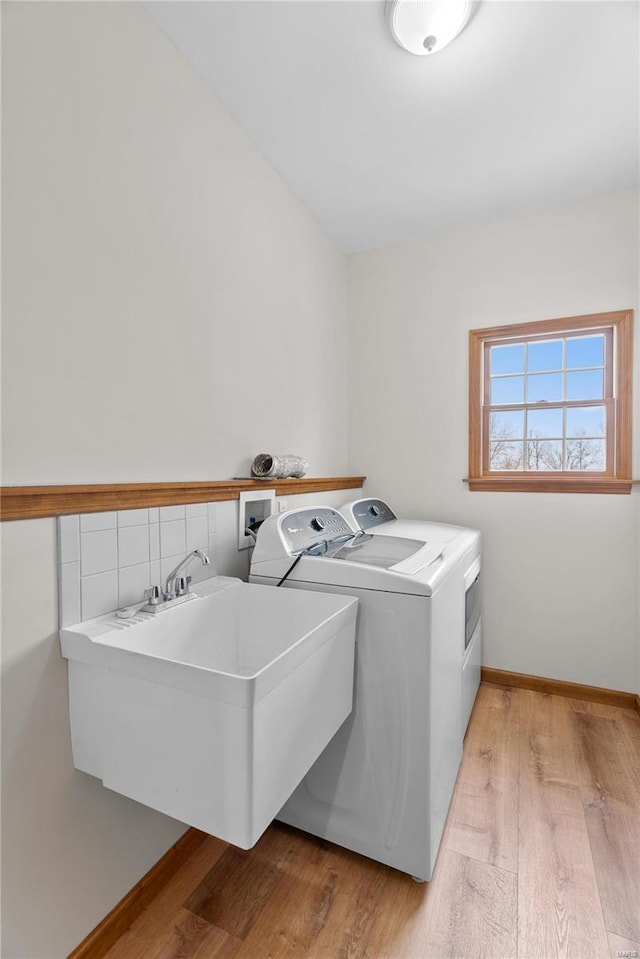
426	26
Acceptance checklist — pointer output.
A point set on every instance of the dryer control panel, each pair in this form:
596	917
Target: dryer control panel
372	512
303	528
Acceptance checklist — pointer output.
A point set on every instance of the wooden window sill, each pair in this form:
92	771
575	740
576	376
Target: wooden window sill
37	502
551	484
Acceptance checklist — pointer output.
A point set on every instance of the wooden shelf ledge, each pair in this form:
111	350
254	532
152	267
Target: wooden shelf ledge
37	502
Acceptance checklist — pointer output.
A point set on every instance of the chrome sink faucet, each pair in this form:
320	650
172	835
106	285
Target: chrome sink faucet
174	585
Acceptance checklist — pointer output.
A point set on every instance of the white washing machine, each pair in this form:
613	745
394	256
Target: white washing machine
383	785
376	516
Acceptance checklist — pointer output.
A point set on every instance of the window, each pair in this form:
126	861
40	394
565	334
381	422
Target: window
550	405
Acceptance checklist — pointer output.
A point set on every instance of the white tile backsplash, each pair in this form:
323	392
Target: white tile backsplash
196	509
212	548
133	545
171	512
236	562
107	560
68	539
173	538
132	582
154	573
168	564
197	533
99	594
205	572
99	551
154	541
91	521
69	594
133	517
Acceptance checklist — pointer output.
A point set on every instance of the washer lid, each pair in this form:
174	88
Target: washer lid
386	552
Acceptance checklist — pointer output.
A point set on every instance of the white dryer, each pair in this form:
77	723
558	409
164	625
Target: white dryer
383	785
376	516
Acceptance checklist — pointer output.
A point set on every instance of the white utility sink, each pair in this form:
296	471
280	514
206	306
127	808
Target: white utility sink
213	711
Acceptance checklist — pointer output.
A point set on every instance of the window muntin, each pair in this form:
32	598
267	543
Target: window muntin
530	390
550	405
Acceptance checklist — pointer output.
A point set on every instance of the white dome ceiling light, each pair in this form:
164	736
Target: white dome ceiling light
427	26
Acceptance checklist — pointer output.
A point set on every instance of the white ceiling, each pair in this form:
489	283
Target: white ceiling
535	104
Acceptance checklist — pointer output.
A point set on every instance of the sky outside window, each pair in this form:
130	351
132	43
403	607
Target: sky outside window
507	389
540	376
546	423
585	421
507	359
545	355
585	385
585	351
544	387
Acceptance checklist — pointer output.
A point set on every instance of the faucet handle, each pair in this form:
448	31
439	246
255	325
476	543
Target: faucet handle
182	585
153	595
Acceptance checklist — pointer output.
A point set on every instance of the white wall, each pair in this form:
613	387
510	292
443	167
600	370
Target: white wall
70	848
166	301
560	570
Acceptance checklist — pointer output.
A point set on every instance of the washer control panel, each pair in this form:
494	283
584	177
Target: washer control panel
306	527
372	512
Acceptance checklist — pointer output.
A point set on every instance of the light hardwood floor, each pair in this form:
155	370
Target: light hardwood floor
540	859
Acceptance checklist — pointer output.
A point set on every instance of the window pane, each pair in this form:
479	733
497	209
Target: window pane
507	390
585	351
544	355
585	386
585	454
505	456
544	386
507	425
544	423
585	421
507	359
544	454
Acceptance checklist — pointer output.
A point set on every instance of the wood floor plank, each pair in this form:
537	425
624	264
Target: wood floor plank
471	910
194	938
128	946
297	910
483	820
608	764
559	910
185	936
359	900
155	925
623	948
399	926
233	894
